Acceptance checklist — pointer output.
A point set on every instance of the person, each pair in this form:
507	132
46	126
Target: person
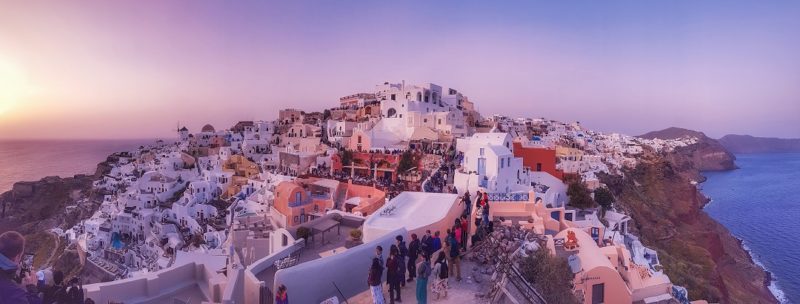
393	267
440	276
457	230
401	246
485	214
379	254
374	281
40	279
464	233
437	242
12	246
454	259
423	272
478	199
33	294
57	293
75	291
427	243
413	255
282	297
467	201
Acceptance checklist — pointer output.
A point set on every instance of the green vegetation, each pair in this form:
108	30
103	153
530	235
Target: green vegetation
604	198
579	195
355	234
347	157
303	233
550	275
406	162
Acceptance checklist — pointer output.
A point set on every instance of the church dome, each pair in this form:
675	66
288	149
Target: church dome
208	128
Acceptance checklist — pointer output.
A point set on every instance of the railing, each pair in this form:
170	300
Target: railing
509	197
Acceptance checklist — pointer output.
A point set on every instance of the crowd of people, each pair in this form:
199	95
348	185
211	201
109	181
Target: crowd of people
18	285
429	261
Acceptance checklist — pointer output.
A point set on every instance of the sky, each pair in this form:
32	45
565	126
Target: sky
137	69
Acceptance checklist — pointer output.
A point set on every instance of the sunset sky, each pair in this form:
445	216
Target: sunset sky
135	69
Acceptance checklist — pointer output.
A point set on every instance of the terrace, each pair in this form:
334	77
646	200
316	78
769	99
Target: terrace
329	236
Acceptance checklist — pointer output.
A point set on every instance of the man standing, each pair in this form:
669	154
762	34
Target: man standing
12	245
403	254
413	254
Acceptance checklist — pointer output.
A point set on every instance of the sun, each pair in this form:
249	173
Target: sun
15	86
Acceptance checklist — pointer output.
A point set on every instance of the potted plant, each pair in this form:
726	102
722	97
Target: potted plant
355	238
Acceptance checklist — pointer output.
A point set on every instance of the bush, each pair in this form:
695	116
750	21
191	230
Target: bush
579	196
355	234
550	275
604	198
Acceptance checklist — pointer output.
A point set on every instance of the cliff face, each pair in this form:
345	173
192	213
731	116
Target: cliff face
696	251
707	155
750	144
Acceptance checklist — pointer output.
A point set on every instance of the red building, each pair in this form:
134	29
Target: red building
538	159
365	164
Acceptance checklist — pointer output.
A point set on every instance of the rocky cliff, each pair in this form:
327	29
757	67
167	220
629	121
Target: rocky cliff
707	155
751	144
696	251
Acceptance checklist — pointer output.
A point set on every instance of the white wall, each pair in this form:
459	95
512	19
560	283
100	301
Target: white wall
313	282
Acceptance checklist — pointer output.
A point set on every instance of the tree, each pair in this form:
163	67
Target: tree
603	197
347	157
579	195
326	114
550	275
406	162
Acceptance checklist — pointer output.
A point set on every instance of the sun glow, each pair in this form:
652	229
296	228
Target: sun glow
15	86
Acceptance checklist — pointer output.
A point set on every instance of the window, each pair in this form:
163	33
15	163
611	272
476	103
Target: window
482	151
440	121
393	97
539	167
502	163
297	197
598	293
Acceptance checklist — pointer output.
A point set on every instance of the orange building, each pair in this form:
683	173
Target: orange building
538	159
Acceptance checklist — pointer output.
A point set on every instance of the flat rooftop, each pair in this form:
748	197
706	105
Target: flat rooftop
412	210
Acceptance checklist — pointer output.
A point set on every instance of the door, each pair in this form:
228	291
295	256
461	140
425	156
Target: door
598	293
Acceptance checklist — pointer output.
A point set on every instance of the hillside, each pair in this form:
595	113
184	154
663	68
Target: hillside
707	155
752	144
696	251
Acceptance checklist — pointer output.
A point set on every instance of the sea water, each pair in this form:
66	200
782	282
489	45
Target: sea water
31	160
760	204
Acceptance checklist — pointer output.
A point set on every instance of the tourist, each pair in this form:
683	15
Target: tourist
440	276
454	258
467	203
75	291
282	296
57	293
32	295
485	215
12	246
413	255
379	254
464	233
437	242
401	246
374	281
393	268
423	272
427	243
40	279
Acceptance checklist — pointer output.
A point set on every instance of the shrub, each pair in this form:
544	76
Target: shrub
303	232
550	275
355	234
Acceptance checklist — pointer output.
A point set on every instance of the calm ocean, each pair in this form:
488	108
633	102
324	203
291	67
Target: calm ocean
30	160
760	204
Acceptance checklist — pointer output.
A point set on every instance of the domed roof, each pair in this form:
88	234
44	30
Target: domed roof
208	128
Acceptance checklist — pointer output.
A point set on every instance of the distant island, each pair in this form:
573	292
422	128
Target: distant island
751	144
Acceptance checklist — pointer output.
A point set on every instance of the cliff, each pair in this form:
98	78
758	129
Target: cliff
706	155
751	144
696	251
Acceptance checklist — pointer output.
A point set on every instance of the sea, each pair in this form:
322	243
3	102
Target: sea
31	160
760	204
